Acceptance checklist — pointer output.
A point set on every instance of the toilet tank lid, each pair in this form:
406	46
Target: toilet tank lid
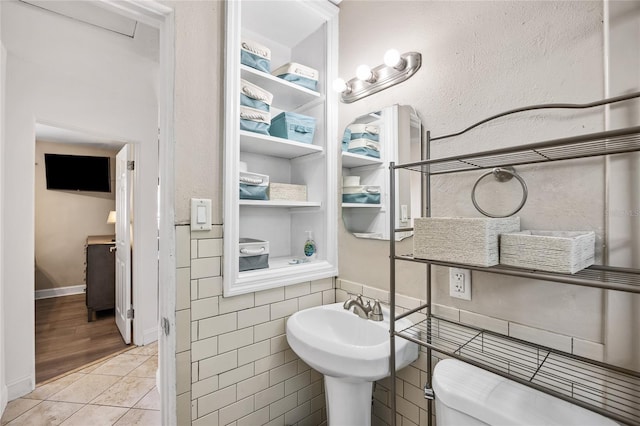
496	400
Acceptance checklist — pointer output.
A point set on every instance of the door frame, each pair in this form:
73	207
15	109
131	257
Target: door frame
123	281
162	17
4	392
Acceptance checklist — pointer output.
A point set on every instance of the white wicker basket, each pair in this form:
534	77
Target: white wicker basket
473	241
287	192
554	251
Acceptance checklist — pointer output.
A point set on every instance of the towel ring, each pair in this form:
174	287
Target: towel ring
502	174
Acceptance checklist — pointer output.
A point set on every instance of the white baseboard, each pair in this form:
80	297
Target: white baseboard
150	335
4	398
20	388
60	291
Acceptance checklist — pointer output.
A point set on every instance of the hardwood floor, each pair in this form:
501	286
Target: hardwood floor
66	341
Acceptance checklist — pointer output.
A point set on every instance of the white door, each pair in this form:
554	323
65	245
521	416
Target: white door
124	310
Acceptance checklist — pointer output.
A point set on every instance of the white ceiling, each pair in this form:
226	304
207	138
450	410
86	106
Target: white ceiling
89	12
49	133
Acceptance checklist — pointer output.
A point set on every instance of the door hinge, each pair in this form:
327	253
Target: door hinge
165	326
130	313
131	165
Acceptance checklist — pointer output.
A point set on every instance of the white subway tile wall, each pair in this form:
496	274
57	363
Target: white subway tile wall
233	362
235	367
410	405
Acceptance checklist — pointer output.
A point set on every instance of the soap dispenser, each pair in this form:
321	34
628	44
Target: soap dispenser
310	247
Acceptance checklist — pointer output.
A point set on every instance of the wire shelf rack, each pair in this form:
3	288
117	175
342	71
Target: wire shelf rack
608	390
590	145
605	389
598	276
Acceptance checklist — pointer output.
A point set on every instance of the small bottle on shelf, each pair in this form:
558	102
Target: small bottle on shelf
310	247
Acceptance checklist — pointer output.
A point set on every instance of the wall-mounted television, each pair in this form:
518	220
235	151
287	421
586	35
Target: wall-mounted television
77	172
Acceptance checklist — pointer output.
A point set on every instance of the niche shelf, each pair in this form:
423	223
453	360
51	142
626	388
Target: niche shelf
294	31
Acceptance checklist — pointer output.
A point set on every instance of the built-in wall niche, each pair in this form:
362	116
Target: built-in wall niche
369	144
304	32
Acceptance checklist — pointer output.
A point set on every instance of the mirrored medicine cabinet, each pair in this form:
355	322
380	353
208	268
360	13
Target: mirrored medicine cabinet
369	144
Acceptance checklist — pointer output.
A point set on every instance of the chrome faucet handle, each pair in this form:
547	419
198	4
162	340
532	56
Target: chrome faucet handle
359	299
376	311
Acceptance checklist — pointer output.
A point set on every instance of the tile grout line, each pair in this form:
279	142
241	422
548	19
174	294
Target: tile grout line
92	373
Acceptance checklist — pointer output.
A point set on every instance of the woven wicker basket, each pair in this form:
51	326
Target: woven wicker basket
554	251
287	192
473	241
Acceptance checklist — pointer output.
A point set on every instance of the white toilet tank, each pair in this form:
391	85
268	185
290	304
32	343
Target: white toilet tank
469	396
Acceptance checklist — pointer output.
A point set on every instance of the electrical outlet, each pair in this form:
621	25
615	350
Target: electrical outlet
460	283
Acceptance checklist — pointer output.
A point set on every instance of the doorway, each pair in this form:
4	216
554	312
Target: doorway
57	86
76	190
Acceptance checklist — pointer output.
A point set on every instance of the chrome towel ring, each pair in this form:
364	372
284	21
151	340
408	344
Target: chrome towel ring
502	174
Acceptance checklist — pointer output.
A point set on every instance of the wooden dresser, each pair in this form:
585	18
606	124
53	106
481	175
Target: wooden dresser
100	273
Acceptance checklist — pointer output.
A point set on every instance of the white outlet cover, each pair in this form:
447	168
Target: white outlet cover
466	283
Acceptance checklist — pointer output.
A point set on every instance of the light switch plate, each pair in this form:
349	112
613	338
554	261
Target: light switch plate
200	214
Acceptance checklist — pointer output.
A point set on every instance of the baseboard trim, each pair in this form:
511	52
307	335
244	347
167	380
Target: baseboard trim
150	335
4	398
20	388
60	291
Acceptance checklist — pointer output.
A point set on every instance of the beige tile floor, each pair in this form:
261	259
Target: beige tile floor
120	390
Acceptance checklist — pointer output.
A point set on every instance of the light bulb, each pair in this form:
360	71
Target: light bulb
363	72
339	85
393	59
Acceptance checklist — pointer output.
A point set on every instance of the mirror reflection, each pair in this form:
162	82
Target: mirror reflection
369	144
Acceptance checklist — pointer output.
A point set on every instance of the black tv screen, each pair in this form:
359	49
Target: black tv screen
77	172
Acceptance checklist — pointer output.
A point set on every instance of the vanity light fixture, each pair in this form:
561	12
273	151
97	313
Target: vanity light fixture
396	69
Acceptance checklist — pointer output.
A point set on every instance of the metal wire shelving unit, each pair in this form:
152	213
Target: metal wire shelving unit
609	390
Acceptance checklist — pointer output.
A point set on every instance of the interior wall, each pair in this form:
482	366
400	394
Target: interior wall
478	58
199	105
64	219
623	214
481	58
232	359
65	73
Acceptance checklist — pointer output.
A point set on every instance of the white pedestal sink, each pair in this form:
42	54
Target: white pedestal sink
351	352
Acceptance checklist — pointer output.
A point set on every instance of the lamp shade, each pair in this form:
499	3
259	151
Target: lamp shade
111	219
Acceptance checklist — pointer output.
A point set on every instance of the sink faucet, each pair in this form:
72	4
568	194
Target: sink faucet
364	311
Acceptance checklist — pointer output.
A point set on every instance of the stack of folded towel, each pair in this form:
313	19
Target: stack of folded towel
363	139
353	192
255	104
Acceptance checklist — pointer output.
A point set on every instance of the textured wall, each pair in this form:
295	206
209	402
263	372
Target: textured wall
198	105
623	218
479	58
482	58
